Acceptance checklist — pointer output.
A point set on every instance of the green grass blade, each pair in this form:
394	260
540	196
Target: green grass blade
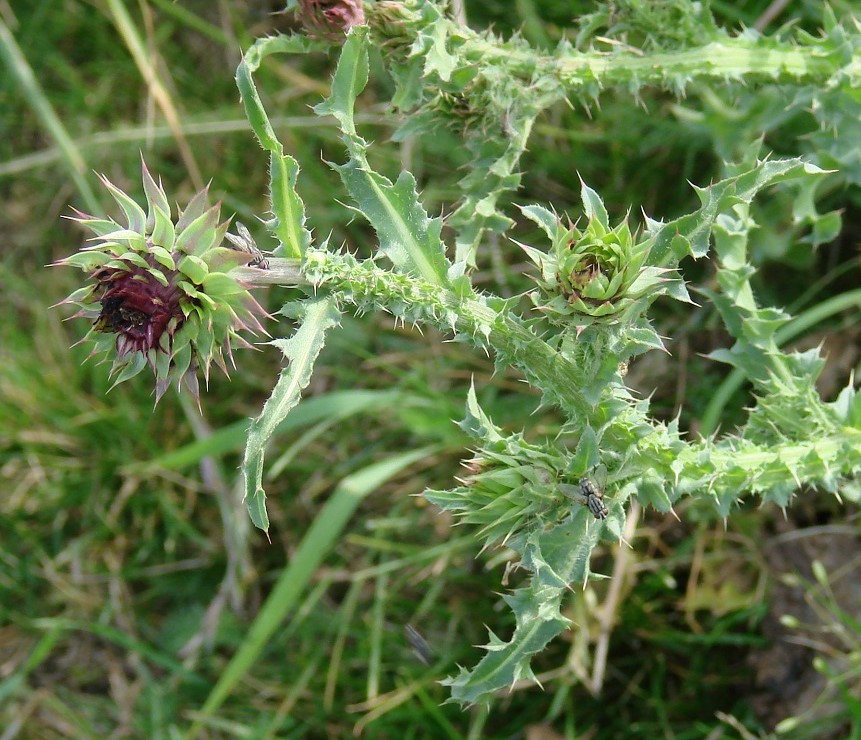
16	62
157	86
345	616
146	651
375	659
337	405
193	21
11	685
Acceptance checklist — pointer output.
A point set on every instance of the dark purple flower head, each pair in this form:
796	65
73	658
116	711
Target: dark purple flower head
136	307
162	294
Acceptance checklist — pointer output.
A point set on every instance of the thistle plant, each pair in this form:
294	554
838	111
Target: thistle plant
571	337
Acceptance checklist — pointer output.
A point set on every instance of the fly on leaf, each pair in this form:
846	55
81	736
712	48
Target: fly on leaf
589	491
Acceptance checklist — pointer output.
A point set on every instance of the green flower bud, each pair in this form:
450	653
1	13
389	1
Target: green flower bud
395	24
596	273
508	490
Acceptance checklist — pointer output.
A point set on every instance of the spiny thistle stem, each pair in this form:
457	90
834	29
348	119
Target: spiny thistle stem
281	271
723	470
736	58
413	300
750	56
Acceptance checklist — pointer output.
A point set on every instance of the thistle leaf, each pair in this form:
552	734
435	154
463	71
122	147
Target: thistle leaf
301	351
407	236
689	234
558	558
287	206
135	217
254	109
508	662
438	58
351	76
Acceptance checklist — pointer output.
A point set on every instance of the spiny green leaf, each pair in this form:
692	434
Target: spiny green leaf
508	662
87	261
255	504
477	424
200	235
220	285
132	367
254	110
301	352
351	76
155	195
689	234
560	556
407	236
287	206
438	58
193	268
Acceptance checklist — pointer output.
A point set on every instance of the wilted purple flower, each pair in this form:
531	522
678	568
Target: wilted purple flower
331	19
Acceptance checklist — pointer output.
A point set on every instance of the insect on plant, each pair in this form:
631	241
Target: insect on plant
244	242
590	491
421	649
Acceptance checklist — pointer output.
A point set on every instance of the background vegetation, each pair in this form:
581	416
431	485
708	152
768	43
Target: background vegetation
129	575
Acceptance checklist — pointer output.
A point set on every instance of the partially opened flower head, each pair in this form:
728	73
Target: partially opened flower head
161	293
